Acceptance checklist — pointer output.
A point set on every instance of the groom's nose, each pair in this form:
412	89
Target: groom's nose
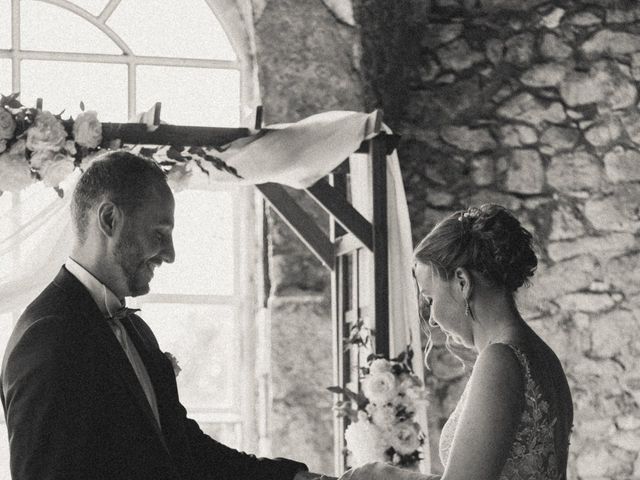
168	253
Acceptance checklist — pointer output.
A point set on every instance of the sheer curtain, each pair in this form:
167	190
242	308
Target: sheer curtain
34	241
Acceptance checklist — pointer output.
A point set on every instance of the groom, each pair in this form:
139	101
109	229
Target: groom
86	391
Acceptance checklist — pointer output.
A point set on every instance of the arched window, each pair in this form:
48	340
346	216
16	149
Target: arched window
119	57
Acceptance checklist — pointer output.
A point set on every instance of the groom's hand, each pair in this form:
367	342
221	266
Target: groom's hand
312	476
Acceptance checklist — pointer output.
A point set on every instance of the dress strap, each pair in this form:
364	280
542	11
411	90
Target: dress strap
522	358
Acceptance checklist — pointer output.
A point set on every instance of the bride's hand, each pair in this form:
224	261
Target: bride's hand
383	471
369	471
303	475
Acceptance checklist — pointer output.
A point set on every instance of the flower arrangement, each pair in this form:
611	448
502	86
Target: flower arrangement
174	363
36	145
382	427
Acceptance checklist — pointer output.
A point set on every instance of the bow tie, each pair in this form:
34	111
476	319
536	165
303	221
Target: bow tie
123	312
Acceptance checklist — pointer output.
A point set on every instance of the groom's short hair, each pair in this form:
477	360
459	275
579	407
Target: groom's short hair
119	176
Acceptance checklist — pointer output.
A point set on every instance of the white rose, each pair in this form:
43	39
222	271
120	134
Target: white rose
410	382
19	149
178	177
46	133
405	438
56	170
384	416
380	365
174	363
89	159
7	124
365	442
87	130
14	171
380	387
405	407
70	147
40	157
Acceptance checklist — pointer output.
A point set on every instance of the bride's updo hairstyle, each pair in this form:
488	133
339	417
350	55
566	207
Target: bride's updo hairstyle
486	240
489	242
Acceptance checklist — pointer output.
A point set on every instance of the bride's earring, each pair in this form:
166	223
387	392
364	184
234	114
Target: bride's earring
467	308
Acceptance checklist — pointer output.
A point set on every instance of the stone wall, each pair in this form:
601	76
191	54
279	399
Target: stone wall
526	103
535	106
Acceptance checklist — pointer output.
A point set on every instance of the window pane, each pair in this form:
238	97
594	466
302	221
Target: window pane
5	474
191	96
5	24
6	200
6	259
92	6
62	85
204	243
166	28
5	76
50	28
204	340
227	433
33	199
6	326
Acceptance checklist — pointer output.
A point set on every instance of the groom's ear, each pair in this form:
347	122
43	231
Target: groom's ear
108	218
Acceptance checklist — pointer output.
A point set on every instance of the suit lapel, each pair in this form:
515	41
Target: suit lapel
164	382
128	376
106	340
154	361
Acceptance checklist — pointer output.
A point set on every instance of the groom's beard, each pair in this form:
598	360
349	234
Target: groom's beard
128	255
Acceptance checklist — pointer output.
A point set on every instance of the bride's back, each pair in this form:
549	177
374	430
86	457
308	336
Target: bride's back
547	374
539	449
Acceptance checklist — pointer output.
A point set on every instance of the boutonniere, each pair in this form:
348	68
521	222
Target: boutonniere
174	363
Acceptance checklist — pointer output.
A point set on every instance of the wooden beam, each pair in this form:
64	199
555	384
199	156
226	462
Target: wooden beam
259	115
338	180
137	133
156	113
380	247
346	244
339	292
391	141
340	362
178	135
300	222
342	211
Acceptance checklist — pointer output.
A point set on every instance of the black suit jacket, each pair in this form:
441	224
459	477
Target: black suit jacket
75	408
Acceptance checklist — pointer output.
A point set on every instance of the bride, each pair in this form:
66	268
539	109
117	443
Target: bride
514	418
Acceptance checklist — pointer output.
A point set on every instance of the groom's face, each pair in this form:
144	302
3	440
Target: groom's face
145	241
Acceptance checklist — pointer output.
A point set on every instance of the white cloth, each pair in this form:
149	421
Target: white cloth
109	303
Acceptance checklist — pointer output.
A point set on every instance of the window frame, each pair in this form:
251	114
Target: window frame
245	295
131	60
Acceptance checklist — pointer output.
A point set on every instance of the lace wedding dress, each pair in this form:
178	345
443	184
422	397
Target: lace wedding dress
533	453
539	449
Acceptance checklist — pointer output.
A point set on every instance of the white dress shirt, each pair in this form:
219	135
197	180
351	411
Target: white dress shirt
108	304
